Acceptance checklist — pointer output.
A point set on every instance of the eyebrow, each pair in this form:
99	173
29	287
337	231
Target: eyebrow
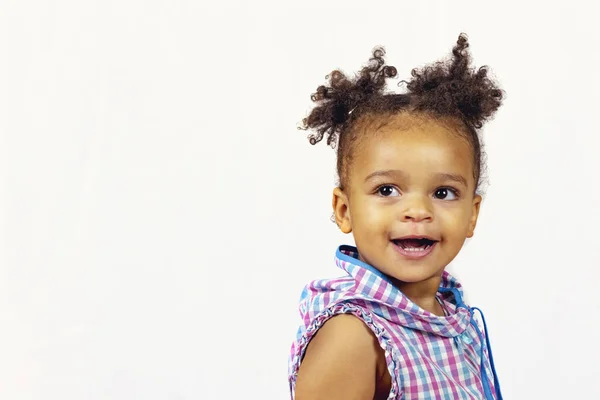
396	172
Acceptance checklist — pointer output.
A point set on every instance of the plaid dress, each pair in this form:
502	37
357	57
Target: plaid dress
428	356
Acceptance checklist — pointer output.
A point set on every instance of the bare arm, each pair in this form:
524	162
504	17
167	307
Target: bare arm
342	361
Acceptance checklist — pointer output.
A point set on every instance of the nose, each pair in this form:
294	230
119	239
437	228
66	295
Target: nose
416	209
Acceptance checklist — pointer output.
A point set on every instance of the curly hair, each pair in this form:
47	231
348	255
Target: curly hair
444	89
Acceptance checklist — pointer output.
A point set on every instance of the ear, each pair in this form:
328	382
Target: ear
474	214
341	210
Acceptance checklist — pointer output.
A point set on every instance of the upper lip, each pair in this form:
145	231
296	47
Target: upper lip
416	237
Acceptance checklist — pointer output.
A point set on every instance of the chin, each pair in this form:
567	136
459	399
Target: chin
408	271
412	278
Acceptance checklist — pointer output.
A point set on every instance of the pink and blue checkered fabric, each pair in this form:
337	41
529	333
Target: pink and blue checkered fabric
428	356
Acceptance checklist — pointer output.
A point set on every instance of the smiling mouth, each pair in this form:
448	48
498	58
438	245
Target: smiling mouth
414	243
414	248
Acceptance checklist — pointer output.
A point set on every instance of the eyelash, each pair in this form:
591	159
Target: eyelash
456	192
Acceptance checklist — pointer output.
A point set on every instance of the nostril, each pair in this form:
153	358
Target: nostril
417	217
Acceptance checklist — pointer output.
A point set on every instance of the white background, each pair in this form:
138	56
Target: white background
161	212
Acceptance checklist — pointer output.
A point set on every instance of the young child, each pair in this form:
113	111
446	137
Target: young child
409	166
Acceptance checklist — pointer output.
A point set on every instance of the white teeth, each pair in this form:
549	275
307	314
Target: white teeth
416	249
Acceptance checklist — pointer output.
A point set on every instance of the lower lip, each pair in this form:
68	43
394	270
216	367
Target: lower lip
415	254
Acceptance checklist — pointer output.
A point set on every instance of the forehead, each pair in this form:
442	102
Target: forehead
417	145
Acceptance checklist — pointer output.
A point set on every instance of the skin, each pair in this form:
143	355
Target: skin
414	176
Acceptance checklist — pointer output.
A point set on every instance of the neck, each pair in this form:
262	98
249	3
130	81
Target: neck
423	293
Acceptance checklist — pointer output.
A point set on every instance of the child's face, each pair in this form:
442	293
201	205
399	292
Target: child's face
411	178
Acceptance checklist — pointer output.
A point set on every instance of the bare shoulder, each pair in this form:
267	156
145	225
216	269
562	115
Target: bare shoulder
342	361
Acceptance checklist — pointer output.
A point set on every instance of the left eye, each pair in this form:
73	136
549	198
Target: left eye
444	193
388	191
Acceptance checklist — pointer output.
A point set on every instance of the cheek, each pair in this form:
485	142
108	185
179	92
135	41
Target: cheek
455	222
371	215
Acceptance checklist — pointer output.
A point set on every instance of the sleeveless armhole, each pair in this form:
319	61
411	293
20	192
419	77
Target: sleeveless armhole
379	331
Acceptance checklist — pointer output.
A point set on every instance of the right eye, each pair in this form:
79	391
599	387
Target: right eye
388	191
